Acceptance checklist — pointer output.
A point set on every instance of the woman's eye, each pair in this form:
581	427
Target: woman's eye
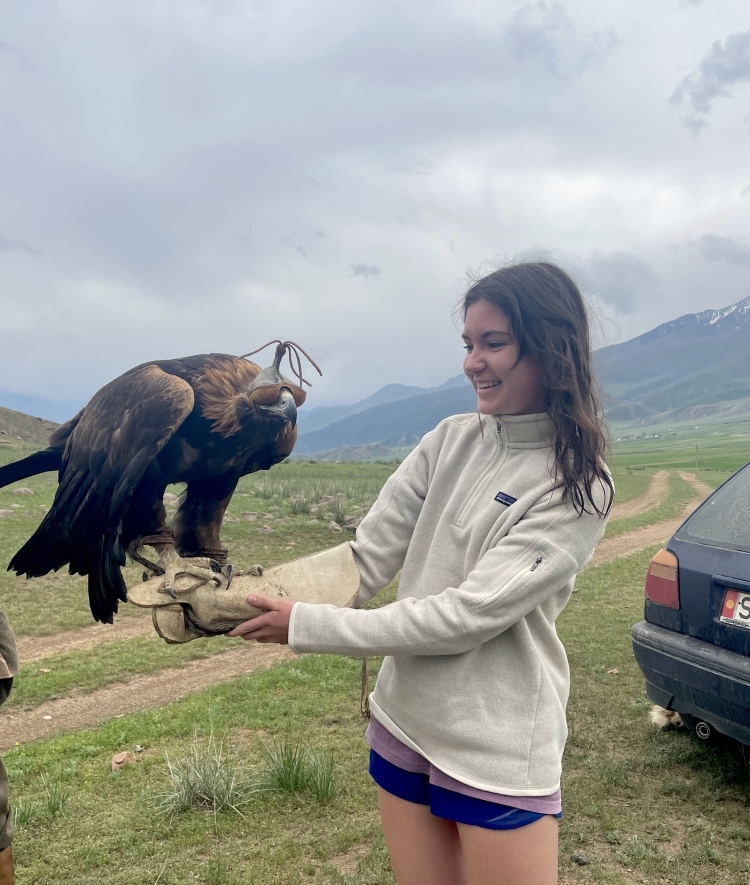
468	347
495	344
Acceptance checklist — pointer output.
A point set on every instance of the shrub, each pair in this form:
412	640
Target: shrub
206	779
293	767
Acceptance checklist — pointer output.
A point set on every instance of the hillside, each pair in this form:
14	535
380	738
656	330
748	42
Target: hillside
324	416
696	365
398	424
16	426
694	368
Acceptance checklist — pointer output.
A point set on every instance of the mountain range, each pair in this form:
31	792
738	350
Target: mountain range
692	368
696	367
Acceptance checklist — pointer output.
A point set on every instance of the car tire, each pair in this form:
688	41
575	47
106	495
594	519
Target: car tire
704	731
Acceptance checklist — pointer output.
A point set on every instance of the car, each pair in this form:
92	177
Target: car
693	646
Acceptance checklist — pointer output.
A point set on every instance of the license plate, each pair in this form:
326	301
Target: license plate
736	609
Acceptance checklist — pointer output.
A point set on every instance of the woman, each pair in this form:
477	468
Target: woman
489	520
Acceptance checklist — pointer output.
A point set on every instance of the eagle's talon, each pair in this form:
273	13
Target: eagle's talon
174	565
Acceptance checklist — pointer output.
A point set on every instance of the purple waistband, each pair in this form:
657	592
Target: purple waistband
397	753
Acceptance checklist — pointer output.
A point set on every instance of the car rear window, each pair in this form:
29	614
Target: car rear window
724	520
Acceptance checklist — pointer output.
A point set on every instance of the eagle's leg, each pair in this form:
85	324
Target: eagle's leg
146	525
197	524
170	563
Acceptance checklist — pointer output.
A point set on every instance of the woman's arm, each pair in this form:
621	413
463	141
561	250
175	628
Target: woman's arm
379	549
384	535
532	563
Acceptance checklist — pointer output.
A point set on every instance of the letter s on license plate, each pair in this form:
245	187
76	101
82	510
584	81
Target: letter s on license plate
736	609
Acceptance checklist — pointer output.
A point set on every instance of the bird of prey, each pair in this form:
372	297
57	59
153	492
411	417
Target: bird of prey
204	420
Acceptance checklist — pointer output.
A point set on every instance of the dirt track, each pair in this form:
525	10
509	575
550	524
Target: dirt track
659	533
140	693
32	648
652	497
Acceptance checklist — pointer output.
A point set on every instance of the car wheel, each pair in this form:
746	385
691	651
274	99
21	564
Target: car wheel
704	731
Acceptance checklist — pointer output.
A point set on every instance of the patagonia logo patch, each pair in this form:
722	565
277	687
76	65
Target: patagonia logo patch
502	498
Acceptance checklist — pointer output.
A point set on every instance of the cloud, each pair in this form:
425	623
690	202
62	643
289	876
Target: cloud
621	280
716	248
182	166
543	34
726	64
365	270
7	245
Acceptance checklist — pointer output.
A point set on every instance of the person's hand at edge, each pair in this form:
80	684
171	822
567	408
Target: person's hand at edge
273	626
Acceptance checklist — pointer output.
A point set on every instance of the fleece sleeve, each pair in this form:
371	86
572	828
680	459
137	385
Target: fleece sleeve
392	516
533	562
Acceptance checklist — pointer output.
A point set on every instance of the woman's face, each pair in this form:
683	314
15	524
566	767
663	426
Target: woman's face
504	384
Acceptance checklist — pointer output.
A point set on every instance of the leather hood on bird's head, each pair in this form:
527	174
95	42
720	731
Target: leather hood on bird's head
269	394
265	389
230	384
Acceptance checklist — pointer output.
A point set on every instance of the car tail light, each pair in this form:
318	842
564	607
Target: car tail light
662	583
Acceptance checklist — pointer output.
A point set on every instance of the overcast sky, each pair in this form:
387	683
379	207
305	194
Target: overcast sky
184	177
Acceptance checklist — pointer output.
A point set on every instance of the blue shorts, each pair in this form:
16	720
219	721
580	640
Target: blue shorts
416	787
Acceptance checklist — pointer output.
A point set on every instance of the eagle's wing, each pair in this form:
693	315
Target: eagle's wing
119	433
124	427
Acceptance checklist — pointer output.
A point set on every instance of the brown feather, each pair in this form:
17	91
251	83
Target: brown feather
221	391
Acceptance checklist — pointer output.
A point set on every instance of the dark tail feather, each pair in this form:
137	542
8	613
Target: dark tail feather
39	462
46	551
106	584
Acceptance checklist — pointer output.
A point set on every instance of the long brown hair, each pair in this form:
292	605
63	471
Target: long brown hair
549	323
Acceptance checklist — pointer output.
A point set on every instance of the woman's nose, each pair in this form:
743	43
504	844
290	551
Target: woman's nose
473	363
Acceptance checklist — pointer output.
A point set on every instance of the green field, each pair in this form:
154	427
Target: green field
642	805
709	448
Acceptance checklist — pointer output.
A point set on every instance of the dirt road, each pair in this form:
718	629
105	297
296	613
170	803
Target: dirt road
33	648
652	497
649	535
140	693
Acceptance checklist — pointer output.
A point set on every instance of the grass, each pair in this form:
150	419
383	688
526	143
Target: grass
281	835
51	803
294	767
642	805
655	803
208	778
709	447
264	523
679	494
81	672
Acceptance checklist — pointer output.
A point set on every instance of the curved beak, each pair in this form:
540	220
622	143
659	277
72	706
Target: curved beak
284	407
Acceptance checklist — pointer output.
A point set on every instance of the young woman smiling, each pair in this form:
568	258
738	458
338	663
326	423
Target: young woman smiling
489	519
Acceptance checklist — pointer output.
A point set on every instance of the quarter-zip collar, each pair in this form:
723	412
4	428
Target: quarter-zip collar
523	431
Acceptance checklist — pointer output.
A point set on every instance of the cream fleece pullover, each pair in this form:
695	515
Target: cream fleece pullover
475	678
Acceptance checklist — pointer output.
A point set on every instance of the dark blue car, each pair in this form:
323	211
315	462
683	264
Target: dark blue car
693	647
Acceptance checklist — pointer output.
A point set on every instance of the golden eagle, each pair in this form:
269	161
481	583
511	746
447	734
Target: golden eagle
204	420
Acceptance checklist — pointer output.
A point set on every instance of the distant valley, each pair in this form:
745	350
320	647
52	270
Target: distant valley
693	369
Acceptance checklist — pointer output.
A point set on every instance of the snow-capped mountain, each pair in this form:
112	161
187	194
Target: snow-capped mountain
697	365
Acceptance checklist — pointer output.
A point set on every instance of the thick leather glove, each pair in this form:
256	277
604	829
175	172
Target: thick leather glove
203	609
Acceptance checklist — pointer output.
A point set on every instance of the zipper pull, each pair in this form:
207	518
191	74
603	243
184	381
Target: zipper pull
537	562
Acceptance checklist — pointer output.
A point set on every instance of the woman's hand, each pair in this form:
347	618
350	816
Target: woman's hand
273	626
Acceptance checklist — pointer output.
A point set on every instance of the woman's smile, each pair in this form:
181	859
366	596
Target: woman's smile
505	384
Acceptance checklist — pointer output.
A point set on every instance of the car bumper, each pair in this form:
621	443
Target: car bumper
695	677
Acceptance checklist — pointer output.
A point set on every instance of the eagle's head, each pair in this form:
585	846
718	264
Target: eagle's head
275	395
